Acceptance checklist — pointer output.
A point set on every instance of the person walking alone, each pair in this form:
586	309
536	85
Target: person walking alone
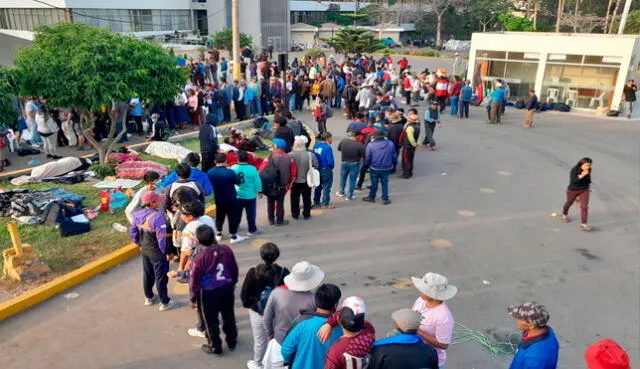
305	160
324	153
530	106
629	92
409	141
497	99
465	99
579	183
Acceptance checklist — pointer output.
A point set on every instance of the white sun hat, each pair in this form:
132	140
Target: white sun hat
435	286
304	277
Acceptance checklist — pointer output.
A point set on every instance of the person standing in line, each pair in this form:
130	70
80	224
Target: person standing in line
301	349
431	118
283	132
436	327
196	175
579	188
403	348
225	99
497	99
531	106
137	112
454	99
224	66
324	153
249	187
442	91
285	304
304	160
288	171
192	214
47	129
629	93
208	136
321	113
353	154
539	347
214	274
224	181
351	105
328	90
396	126
465	99
409	141
380	158
266	275
149	232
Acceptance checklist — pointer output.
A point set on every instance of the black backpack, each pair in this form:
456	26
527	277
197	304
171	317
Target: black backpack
264	295
270	177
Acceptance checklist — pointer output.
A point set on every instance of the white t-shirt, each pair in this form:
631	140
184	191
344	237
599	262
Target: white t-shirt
437	322
188	240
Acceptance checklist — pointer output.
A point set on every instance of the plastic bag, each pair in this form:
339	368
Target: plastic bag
118	200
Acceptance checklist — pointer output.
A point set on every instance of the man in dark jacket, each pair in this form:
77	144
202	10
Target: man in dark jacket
225	101
283	132
288	171
380	158
223	181
351	105
409	142
209	141
629	92
403	348
531	106
396	126
148	231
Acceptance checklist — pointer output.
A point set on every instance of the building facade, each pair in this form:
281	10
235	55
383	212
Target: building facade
584	71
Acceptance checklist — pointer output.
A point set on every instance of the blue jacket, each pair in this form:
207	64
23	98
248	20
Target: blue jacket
227	95
302	343
431	116
324	152
466	93
340	85
498	95
537	353
196	175
381	154
224	181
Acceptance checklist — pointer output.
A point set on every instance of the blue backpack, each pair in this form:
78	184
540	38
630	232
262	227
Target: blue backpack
264	295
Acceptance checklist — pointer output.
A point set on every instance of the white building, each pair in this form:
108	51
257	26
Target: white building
263	20
585	71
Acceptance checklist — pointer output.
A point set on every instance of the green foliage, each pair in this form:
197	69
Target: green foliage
8	96
513	23
633	23
314	53
102	170
351	41
338	18
74	65
486	12
223	40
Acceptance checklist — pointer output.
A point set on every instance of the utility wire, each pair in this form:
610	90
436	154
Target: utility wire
122	21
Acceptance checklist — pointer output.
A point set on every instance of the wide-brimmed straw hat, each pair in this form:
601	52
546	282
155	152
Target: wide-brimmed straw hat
435	286
304	277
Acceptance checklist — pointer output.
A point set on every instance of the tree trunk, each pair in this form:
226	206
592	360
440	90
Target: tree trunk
438	29
613	16
484	26
528	9
607	17
575	17
536	5
559	16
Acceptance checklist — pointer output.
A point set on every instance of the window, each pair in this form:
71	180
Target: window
523	56
486	54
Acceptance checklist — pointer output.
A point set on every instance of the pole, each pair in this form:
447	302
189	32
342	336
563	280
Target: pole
15	238
625	14
235	40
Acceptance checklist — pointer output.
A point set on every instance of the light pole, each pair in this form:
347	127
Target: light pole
623	19
235	40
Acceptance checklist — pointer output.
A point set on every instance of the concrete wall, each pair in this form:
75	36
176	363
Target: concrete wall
304	37
8	46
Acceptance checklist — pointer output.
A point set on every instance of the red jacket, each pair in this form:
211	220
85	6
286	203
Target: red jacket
349	348
407	83
442	87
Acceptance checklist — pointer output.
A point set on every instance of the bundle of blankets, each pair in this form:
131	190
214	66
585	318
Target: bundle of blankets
49	207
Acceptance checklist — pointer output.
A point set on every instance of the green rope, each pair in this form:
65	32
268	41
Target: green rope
464	335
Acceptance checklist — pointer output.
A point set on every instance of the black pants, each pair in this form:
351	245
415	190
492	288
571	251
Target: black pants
407	161
363	173
442	100
139	127
322	126
226	112
240	110
208	159
429	130
155	273
213	304
275	208
265	106
227	210
299	100
297	190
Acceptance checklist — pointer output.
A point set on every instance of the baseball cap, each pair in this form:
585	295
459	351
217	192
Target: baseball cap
352	314
406	320
356	304
606	354
150	197
531	313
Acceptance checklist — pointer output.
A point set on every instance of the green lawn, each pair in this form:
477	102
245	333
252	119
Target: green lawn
64	254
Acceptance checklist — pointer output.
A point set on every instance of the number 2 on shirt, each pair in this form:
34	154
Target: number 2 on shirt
219	271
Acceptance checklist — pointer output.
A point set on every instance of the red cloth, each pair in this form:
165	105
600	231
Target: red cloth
121	157
442	87
606	354
254	160
456	88
407	83
356	347
403	63
137	169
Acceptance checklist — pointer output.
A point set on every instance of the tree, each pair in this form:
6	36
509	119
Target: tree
633	23
8	96
513	23
614	15
486	12
439	7
76	66
351	41
223	40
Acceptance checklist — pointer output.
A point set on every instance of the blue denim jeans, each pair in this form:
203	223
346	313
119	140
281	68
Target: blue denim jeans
381	176
350	170
249	206
453	100
258	106
324	190
292	102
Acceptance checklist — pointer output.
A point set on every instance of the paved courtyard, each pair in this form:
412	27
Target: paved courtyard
477	210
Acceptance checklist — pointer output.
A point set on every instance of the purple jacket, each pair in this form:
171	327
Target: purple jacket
149	231
381	154
212	268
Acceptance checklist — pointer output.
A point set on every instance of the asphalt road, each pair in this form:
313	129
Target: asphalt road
488	192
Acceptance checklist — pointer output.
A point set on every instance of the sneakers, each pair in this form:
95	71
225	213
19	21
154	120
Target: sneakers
340	194
252	364
368	199
210	350
237	239
386	202
168	306
350	198
218	236
149	302
284	223
195	332
251	234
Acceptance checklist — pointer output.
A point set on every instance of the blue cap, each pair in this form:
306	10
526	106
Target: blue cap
280	143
